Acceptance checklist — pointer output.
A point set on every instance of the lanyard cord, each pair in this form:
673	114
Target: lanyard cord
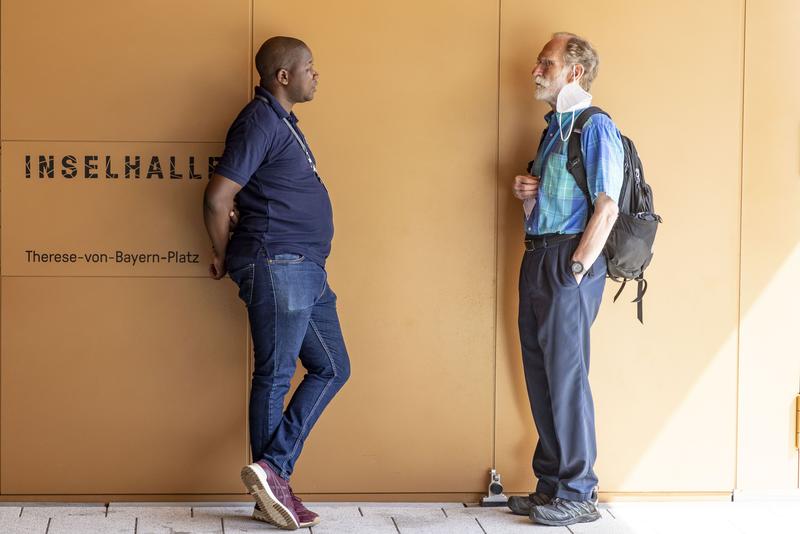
302	145
298	138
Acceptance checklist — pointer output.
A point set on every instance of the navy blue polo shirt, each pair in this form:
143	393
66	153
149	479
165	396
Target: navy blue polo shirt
282	203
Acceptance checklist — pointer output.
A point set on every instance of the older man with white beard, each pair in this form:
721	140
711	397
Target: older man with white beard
562	279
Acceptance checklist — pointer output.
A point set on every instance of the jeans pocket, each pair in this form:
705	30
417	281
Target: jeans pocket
243	277
287	258
298	286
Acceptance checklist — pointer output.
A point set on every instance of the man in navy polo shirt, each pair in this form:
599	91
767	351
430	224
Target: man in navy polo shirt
277	258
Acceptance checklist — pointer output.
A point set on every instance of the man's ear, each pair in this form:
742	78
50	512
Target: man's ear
282	76
579	71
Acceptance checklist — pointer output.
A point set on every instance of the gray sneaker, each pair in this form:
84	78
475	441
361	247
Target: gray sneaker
563	512
522	505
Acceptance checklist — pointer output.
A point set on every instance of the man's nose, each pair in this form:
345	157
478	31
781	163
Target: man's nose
537	71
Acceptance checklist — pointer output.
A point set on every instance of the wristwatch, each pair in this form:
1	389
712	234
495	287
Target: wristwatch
577	267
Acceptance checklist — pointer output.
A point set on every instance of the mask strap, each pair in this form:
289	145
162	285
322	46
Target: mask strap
575	77
572	123
569	132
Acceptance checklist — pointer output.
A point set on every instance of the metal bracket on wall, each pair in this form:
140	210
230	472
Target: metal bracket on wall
496	497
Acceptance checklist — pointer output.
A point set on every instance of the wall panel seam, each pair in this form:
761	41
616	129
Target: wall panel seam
741	225
144	277
247	348
154	142
496	240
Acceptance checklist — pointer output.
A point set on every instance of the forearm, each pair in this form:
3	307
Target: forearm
217	221
596	233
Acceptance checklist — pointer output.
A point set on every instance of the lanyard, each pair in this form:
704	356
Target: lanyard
299	140
302	145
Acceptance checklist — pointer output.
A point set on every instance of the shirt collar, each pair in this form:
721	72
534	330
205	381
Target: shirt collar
275	105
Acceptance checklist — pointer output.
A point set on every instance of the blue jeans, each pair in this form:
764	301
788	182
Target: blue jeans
555	315
292	313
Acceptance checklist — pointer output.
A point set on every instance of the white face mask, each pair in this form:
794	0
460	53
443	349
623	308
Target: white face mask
571	98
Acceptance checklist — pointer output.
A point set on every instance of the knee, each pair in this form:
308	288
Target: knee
335	372
343	372
338	373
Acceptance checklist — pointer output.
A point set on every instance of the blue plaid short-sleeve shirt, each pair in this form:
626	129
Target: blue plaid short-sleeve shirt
561	207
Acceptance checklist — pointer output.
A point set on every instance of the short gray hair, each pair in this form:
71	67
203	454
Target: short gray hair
579	51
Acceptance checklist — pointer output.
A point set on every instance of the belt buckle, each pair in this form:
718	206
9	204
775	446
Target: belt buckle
530	246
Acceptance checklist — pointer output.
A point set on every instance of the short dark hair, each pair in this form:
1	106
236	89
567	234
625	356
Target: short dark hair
275	54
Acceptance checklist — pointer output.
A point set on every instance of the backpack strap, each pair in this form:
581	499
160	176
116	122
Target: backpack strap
575	164
541	140
641	289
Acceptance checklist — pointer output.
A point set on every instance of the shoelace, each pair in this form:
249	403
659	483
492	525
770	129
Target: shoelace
539	498
295	498
566	504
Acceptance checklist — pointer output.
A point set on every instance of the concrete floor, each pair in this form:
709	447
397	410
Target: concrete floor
418	518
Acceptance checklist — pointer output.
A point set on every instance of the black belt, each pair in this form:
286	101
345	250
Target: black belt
534	242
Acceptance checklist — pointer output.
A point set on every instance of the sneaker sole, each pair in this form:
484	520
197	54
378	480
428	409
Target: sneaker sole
587	518
261	516
275	513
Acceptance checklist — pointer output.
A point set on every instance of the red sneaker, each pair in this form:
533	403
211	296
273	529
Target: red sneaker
306	517
272	494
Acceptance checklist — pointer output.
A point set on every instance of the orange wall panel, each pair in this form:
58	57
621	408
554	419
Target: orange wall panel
403	126
113	385
665	392
131	70
769	364
115	220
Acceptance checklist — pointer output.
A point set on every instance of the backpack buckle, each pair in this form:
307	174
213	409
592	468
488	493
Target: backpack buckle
572	164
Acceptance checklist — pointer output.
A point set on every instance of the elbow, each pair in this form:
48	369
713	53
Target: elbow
612	213
214	204
608	210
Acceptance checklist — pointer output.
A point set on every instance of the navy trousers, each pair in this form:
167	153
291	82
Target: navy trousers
555	315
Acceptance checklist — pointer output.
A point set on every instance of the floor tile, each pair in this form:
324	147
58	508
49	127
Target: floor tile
428	510
166	513
359	525
441	525
24	525
91	525
94	510
9	512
